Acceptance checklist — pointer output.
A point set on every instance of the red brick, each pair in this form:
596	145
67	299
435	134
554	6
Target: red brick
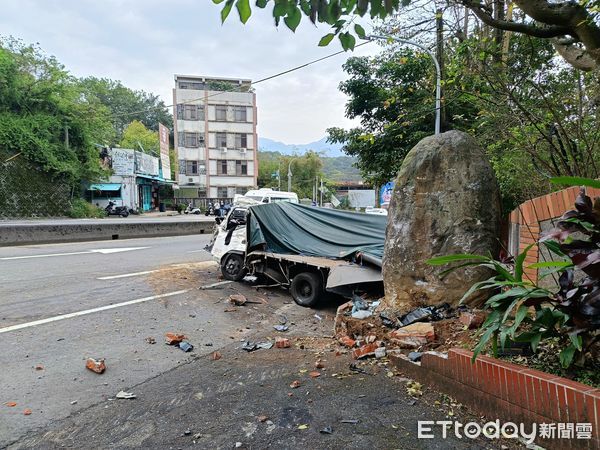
364	351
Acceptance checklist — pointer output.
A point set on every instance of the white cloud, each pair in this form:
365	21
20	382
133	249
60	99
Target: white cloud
145	42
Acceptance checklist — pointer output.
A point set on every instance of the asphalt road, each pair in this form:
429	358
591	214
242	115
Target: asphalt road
39	285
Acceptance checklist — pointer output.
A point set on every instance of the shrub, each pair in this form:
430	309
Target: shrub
81	209
521	311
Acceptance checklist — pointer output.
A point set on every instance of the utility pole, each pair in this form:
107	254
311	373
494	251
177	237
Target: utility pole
321	202
439	52
290	176
67	137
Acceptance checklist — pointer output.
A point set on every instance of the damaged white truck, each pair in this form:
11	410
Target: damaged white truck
309	250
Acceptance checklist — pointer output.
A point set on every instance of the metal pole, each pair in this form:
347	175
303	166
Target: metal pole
290	176
279	176
438	84
321	203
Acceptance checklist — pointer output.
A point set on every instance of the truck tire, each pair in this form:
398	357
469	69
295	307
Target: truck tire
232	267
306	288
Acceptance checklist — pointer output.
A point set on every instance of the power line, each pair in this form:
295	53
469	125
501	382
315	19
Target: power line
262	80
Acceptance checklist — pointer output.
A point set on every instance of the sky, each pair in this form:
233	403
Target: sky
144	43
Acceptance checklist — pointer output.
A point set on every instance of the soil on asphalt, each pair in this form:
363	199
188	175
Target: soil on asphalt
310	395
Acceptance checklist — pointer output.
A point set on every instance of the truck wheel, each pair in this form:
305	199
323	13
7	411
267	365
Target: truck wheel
232	267
306	288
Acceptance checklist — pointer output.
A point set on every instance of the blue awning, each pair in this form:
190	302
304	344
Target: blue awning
105	187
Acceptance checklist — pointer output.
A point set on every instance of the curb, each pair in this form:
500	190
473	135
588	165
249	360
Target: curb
50	234
511	393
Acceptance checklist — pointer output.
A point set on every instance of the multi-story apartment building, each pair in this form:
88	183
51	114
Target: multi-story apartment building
215	136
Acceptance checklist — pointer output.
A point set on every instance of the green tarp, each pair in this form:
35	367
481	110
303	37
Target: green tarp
291	228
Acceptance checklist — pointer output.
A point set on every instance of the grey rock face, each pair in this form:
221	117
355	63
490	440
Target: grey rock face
446	201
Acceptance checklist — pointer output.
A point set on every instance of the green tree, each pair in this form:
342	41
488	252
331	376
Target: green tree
571	26
127	105
45	116
136	135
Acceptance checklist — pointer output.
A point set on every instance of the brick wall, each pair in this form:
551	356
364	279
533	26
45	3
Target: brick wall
528	215
511	393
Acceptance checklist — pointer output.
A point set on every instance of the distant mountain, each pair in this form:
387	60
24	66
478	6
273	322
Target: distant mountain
320	146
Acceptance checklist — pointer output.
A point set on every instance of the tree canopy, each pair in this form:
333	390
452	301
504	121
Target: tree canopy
571	26
136	135
45	117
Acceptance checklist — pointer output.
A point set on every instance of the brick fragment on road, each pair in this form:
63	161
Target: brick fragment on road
95	365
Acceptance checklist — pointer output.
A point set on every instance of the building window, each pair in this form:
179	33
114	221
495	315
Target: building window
191	167
221	140
190	112
182	167
241	190
241	140
222	192
221	112
241	167
202	192
190	140
191	85
222	167
239	114
201	169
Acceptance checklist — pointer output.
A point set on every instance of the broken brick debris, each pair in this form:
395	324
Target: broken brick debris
295	384
215	356
365	350
282	343
95	365
347	341
413	336
174	338
472	319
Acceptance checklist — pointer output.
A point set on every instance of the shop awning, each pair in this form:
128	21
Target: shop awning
154	178
105	187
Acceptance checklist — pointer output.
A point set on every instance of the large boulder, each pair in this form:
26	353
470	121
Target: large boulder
446	201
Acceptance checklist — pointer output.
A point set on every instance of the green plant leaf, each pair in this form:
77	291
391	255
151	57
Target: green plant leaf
243	7
226	10
521	314
576	340
441	260
325	40
292	20
348	41
360	31
483	342
566	356
576	181
546	264
216	2
554	247
520	259
476	286
262	3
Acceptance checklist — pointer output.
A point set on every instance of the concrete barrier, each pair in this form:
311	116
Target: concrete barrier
24	234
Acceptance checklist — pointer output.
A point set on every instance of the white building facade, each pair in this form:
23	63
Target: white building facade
215	136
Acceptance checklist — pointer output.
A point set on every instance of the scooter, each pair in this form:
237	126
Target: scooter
210	209
112	210
191	209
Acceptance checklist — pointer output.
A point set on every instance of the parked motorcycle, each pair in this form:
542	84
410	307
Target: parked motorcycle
112	210
191	209
210	209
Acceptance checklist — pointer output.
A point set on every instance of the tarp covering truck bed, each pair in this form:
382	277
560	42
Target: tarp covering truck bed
289	228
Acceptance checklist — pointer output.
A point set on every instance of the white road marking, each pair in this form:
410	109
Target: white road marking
43	256
88	311
104	251
196	251
127	275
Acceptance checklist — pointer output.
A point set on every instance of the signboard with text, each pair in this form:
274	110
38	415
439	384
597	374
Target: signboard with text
123	161
163	134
